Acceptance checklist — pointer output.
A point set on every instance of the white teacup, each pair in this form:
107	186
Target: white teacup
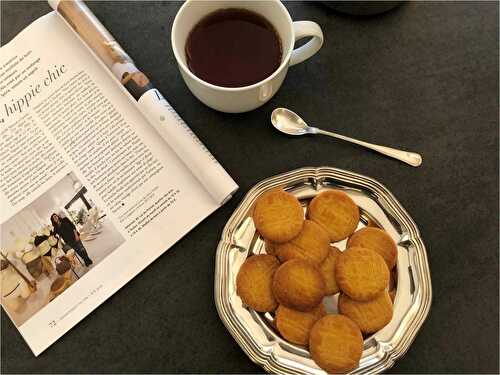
246	98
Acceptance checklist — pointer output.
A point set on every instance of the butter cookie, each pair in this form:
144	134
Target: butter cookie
311	244
295	325
278	216
336	212
327	269
336	344
378	240
298	285
361	273
370	316
254	282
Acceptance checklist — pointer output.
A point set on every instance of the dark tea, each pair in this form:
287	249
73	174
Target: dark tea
233	48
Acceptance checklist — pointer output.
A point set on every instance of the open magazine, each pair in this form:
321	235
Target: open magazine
99	175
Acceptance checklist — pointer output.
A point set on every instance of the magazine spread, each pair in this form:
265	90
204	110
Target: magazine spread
92	188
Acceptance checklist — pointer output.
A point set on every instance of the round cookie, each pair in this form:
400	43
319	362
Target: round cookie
298	285
254	282
311	244
336	212
327	269
278	216
336	344
370	316
361	273
295	325
378	240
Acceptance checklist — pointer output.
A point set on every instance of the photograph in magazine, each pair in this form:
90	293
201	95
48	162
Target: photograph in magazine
50	245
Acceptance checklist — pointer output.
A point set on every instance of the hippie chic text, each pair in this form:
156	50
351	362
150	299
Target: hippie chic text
19	105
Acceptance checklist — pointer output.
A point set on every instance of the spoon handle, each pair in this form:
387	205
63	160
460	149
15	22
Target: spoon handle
411	158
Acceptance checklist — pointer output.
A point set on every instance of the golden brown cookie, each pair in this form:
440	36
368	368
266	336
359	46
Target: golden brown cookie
295	325
370	316
336	212
298	285
311	244
361	273
327	269
254	282
376	239
336	344
278	216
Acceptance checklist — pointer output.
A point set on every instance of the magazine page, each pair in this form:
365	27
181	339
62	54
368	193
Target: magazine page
149	100
89	194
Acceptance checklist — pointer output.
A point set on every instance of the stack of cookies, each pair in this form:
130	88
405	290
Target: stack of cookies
302	267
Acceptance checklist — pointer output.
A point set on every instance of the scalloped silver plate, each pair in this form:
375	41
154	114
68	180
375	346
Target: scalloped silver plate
254	332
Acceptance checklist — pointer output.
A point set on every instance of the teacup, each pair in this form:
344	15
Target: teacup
246	98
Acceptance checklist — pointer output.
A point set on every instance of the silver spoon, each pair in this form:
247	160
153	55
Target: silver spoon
290	123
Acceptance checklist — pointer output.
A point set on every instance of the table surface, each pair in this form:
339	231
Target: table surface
422	77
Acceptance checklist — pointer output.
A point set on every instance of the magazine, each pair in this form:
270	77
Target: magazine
99	175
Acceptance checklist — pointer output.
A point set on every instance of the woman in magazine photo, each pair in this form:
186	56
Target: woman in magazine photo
67	230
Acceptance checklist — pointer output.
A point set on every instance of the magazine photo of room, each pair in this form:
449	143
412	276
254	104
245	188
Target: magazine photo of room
50	244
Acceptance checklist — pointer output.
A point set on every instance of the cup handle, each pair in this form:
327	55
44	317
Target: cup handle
304	29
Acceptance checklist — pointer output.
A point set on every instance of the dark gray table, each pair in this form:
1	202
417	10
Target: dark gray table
423	77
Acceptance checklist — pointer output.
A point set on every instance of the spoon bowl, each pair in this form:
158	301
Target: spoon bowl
289	122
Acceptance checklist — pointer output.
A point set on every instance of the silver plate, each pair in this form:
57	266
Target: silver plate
254	332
